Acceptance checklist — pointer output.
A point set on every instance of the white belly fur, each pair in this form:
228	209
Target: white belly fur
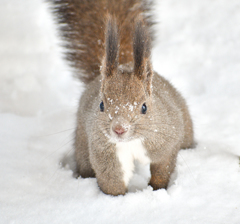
127	152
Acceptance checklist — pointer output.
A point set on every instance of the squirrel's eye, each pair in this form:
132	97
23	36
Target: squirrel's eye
144	109
101	106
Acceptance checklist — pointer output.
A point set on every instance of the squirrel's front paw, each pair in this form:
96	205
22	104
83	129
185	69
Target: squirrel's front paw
112	187
157	182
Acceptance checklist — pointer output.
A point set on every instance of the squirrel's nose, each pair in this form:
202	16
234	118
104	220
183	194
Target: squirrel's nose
119	130
119	126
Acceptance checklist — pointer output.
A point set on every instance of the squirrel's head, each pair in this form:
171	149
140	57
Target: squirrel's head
126	100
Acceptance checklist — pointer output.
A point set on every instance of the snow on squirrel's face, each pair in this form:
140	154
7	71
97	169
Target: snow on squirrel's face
124	106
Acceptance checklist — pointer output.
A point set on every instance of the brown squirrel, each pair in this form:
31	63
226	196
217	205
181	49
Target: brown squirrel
127	112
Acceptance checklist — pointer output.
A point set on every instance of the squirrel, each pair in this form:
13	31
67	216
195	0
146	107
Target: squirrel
127	112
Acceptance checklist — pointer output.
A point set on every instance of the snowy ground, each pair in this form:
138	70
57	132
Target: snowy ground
197	49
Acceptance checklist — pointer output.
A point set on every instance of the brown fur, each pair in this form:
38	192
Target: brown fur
82	26
126	84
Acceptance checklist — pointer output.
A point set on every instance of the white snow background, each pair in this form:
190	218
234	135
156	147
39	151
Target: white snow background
197	49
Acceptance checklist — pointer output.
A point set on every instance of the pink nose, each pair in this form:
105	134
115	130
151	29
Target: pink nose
119	130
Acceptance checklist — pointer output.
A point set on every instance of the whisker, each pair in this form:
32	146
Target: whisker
158	132
57	132
58	149
187	167
153	123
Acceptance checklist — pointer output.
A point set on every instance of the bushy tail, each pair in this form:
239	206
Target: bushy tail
82	26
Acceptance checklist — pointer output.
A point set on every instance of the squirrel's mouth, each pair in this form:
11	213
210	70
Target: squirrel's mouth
115	139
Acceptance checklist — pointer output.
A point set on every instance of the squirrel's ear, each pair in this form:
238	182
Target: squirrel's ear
110	60
142	53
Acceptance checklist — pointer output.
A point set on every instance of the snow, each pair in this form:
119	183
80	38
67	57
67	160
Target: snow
197	49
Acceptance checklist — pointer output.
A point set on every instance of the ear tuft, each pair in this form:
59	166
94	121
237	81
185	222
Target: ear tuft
110	61
141	48
142	53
